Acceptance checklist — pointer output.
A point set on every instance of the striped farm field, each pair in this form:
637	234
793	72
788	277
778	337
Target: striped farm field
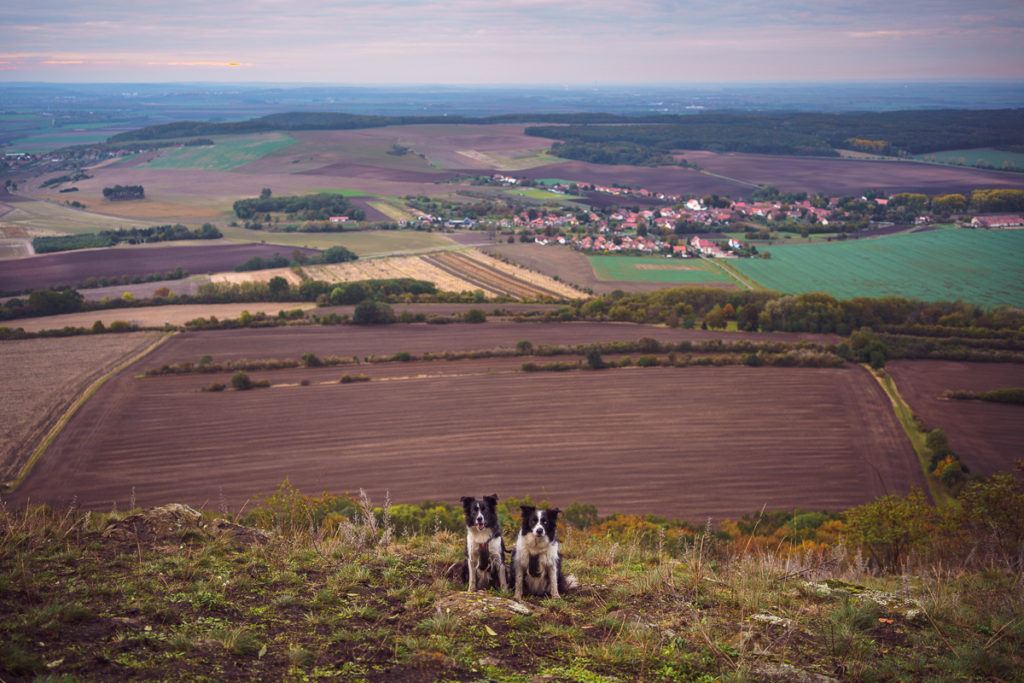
979	266
648	269
816	438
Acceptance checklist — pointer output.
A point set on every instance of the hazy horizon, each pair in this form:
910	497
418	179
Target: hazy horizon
515	42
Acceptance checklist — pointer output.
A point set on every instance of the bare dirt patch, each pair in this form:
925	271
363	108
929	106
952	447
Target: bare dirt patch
75	267
42	377
848	176
342	437
720	442
986	436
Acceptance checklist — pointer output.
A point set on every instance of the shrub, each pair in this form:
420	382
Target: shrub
891	526
348	379
594	360
240	381
474	315
310	360
370	312
215	386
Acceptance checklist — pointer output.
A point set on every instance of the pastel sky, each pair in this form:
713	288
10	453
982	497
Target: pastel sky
510	41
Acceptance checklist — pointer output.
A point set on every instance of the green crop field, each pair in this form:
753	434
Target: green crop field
652	269
985	157
537	193
226	154
979	266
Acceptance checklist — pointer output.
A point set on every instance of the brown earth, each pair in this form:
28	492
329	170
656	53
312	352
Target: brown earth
573	267
692	442
42	377
987	436
75	267
849	176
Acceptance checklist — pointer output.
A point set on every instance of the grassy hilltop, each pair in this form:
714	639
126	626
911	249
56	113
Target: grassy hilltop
333	588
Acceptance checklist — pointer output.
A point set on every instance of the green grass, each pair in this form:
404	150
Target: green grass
982	156
536	193
178	603
631	269
345	193
226	154
979	266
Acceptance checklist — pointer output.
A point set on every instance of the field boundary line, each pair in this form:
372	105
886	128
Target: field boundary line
917	438
57	428
734	274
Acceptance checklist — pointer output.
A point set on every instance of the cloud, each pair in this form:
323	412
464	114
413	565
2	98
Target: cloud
518	40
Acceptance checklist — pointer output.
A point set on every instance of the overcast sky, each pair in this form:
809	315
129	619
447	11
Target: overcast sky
510	41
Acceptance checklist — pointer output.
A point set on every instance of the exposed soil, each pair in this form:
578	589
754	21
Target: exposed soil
987	436
692	442
75	267
847	176
42	377
574	267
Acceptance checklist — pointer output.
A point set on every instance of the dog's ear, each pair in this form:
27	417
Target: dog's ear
527	510
553	513
466	502
492	499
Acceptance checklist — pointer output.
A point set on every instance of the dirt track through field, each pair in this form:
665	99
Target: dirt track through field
691	442
988	437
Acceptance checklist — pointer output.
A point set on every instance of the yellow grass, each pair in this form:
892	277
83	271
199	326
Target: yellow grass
155	316
42	377
54	431
42	218
525	274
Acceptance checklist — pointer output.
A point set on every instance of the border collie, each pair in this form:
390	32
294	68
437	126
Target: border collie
536	563
485	548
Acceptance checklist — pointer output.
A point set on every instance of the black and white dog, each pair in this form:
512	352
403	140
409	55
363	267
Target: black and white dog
485	548
536	562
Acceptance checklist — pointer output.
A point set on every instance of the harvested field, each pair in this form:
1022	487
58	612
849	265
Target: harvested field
75	267
152	316
671	179
498	278
819	439
986	436
391	267
571	266
848	176
42	377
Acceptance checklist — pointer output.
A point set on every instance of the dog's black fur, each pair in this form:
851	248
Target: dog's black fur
485	548
536	561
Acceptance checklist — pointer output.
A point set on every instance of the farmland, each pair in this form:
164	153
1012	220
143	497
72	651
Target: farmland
983	267
76	267
42	377
985	157
537	430
667	271
225	154
987	436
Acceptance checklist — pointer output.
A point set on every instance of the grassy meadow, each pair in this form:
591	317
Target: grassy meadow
300	589
226	154
985	157
650	269
979	266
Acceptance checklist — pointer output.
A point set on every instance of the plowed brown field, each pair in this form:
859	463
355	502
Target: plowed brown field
692	442
988	437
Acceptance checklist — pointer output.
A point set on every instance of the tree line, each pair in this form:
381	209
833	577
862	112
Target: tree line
108	238
310	207
896	132
119	193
